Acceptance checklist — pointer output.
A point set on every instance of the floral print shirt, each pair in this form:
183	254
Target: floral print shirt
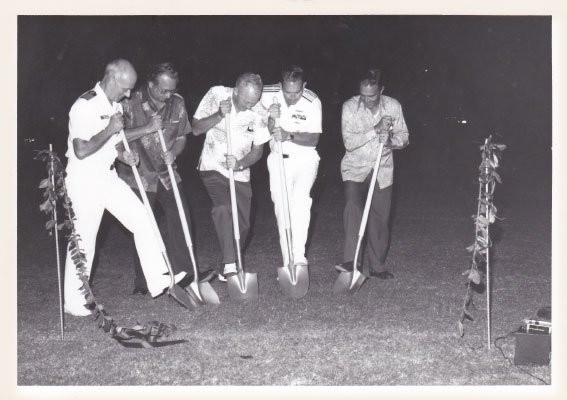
247	128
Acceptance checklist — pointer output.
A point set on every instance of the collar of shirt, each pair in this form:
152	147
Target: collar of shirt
104	99
378	109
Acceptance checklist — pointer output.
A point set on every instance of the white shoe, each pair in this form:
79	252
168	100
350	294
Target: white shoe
167	281
78	312
229	270
300	261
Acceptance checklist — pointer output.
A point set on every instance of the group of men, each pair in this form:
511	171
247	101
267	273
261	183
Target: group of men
100	170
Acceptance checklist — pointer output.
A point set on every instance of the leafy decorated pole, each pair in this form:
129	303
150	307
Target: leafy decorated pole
138	336
485	215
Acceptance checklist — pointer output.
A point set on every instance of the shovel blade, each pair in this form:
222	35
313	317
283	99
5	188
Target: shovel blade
243	286
345	285
294	283
182	296
194	292
208	293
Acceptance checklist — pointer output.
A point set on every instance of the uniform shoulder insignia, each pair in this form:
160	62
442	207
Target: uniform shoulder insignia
309	95
88	95
272	88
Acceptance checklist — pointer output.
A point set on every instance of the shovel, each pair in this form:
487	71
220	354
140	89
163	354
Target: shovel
242	285
202	292
177	292
351	281
293	279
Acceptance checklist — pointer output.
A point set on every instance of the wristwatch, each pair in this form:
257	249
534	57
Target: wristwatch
240	166
291	137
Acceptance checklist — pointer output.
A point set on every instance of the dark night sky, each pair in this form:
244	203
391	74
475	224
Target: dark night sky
495	72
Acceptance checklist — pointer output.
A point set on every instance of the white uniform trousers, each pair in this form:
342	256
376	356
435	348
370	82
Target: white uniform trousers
300	172
90	196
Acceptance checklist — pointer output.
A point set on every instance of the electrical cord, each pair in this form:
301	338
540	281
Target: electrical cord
510	361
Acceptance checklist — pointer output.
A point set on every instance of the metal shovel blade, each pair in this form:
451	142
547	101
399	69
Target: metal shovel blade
208	293
294	280
182	296
243	286
345	285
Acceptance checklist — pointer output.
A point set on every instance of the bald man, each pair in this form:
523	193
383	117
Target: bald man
95	128
249	132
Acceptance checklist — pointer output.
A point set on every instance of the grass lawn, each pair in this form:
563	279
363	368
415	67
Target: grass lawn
394	333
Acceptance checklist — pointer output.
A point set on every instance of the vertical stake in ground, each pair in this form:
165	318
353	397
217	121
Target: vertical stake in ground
487	214
56	230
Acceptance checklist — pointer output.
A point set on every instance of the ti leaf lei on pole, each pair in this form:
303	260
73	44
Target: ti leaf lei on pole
138	336
485	216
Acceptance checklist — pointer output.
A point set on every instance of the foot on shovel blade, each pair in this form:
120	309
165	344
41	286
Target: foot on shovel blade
243	286
294	284
182	297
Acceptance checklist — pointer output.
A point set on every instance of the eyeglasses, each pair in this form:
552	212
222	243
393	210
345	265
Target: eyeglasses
163	92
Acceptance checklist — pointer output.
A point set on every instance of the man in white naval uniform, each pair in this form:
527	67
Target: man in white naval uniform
299	112
95	127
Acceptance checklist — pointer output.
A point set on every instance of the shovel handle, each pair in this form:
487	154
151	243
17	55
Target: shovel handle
180	209
284	195
234	206
367	204
149	211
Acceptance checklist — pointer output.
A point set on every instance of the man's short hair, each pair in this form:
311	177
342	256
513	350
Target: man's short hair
250	79
293	73
157	70
371	77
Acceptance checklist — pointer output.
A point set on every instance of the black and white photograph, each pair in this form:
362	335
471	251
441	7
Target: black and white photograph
279	200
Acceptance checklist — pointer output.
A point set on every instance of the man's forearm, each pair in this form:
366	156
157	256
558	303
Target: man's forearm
251	158
202	125
178	146
309	139
84	148
135	133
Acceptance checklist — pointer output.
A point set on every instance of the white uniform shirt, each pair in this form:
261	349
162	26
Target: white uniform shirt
89	115
247	128
303	116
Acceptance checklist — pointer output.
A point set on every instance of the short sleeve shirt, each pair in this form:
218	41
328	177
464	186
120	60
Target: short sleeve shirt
138	110
89	115
303	116
247	128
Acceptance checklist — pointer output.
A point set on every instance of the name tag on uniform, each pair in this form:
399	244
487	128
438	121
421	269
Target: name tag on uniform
104	116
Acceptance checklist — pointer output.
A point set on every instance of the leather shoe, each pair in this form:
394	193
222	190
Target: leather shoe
382	275
141	291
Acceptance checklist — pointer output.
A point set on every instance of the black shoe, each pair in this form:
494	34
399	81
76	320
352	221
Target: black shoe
141	291
207	275
382	275
186	280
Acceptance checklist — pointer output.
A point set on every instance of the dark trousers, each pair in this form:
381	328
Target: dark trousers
175	241
377	229
218	188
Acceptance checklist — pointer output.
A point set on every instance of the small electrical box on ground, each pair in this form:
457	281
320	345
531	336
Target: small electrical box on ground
533	343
